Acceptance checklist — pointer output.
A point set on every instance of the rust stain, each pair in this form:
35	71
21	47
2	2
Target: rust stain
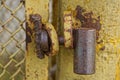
102	48
67	18
99	42
87	21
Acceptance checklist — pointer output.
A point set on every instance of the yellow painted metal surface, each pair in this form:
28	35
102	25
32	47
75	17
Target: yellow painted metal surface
54	48
107	61
118	70
68	29
36	69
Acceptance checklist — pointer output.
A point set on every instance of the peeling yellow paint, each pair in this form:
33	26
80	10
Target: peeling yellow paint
54	39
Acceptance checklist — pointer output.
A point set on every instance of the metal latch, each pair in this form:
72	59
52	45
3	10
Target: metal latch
81	39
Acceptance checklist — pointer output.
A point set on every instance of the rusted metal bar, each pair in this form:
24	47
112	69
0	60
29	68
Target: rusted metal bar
84	50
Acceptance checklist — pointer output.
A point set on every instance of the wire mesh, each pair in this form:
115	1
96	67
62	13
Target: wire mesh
12	40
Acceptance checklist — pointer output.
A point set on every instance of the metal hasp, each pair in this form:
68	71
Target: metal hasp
84	50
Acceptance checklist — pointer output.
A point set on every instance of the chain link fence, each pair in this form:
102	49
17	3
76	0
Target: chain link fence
12	40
